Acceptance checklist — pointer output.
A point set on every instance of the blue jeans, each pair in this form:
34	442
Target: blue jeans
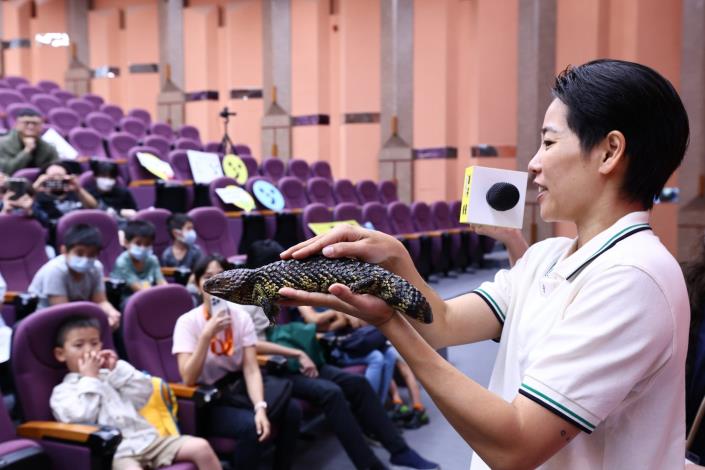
380	368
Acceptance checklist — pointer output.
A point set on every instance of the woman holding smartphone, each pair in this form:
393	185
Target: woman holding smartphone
214	344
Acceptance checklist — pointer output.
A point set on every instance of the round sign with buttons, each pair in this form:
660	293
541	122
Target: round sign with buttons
268	195
235	168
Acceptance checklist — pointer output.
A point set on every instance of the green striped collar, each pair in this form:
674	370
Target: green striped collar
568	268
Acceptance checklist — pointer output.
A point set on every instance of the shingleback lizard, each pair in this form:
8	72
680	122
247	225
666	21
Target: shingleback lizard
315	274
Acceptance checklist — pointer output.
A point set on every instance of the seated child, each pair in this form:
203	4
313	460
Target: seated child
183	252
76	274
104	390
137	266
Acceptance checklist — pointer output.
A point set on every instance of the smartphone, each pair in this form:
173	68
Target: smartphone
18	186
218	306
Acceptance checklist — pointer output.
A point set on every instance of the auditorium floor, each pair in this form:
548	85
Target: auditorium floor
436	441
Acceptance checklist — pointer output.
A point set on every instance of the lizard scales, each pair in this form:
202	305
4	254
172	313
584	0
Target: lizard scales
315	274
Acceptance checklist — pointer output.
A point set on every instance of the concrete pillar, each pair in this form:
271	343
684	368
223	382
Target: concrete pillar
537	63
276	123
78	75
691	178
171	100
397	107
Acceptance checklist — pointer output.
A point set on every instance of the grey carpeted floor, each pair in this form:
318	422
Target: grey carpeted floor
437	441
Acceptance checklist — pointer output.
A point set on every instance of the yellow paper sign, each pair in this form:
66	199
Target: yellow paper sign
155	165
319	228
236	196
465	203
235	168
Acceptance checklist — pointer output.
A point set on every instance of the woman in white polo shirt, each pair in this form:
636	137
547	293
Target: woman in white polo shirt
593	331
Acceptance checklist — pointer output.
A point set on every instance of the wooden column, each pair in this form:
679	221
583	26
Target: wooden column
171	100
691	179
397	116
537	63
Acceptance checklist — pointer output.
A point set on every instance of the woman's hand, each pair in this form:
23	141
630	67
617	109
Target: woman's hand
216	324
352	242
262	424
369	308
307	366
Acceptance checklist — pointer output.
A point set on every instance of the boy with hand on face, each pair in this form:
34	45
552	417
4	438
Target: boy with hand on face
102	389
183	252
137	265
76	274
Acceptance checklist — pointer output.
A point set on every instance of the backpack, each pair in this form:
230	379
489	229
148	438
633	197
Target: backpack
160	410
360	341
300	336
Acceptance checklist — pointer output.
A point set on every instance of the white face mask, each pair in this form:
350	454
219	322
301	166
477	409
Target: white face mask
81	264
140	253
104	184
188	237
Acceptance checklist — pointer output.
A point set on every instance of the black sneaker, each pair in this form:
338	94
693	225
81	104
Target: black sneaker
400	413
418	418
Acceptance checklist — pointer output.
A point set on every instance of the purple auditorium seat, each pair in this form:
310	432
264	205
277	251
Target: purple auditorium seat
88	142
294	193
242	149
348	211
10	96
101	123
4	84
440	213
97	100
376	214
108	231
315	213
345	191
64	119
189	132
387	191
142	115
113	111
270	220
157	217
213	232
273	168
22	250
213	147
184	143
63	95
45	102
14	81
250	164
134	126
215	200
298	168
148	339
423	222
320	190
36	371
81	106
47	86
15	452
137	172
178	159
160	143
472	244
367	191
322	169
28	91
30	174
120	143
14	109
142	184
163	129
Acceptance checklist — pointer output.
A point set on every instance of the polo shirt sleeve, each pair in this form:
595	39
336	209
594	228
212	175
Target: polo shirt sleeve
611	340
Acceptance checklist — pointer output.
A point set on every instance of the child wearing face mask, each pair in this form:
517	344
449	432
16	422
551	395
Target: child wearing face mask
76	274
137	265
111	197
183	252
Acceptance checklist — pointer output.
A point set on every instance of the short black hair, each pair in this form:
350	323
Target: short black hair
104	168
83	234
177	221
71	167
139	228
202	264
607	95
263	252
24	112
73	323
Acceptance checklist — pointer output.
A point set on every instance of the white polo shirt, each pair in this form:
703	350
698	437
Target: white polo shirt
598	338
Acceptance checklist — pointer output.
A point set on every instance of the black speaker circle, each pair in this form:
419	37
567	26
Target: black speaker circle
502	196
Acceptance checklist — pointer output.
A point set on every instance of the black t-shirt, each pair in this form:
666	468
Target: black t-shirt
51	207
118	198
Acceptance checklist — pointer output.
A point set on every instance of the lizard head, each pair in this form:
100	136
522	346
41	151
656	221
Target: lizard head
235	285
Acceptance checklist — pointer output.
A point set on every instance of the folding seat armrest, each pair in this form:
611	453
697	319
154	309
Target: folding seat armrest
179	274
100	440
201	394
24	303
273	363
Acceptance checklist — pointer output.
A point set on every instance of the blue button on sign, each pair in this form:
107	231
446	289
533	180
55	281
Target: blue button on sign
268	195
